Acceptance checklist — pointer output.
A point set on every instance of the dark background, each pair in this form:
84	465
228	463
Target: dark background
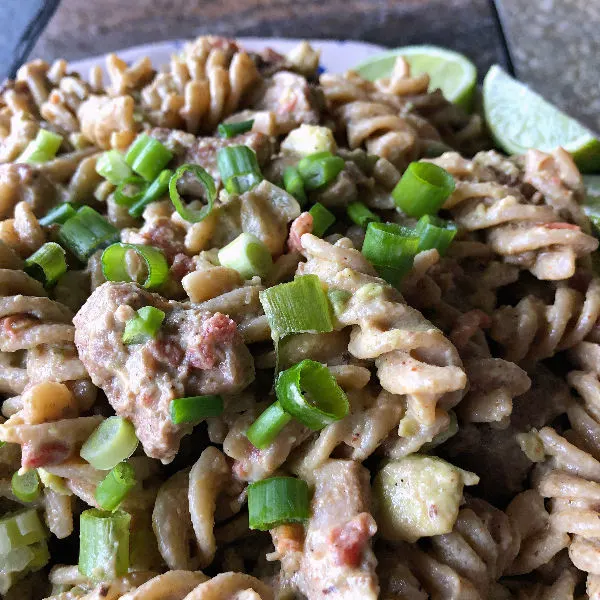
552	44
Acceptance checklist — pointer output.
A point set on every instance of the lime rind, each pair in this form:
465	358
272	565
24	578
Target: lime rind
519	119
450	71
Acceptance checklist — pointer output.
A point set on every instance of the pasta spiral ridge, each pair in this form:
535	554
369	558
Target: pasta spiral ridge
462	564
533	330
531	235
398	338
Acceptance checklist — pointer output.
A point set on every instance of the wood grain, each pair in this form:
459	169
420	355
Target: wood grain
83	28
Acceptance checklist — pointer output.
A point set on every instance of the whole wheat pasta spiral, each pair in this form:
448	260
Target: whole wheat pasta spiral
530	235
378	327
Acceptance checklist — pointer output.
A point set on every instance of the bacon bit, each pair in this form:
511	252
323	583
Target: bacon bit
288	538
562	226
13	325
182	265
467	326
166	351
300	225
350	539
167	236
52	453
216	331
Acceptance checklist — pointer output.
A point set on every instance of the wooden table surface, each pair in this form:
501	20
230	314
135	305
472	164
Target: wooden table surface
553	44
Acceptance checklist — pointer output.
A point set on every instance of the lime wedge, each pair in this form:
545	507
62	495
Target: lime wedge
520	119
450	71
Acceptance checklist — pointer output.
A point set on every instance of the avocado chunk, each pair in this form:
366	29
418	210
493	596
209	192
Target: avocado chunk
418	496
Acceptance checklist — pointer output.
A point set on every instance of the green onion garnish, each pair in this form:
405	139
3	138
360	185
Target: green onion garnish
112	166
195	408
247	255
144	326
309	392
103	544
113	489
278	500
60	214
435	233
19	529
147	157
114	265
42	149
294	185
137	183
153	192
112	442
26	487
360	214
339	300
323	219
300	306
47	264
87	232
423	189
188	214
229	130
238	168
391	249
268	425
317	170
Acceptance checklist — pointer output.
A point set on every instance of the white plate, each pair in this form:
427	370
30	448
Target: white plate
336	56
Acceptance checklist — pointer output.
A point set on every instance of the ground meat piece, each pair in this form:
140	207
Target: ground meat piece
161	233
291	98
337	562
301	225
22	182
196	352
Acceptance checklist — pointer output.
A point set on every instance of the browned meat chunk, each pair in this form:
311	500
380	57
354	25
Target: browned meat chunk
337	562
291	98
196	352
21	182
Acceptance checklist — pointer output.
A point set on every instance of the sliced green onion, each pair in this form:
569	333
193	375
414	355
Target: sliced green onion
360	214
309	392
138	183
247	255
143	326
26	487
113	489
42	149
114	265
41	556
20	529
87	232
294	184
300	306
21	561
268	425
238	184
238	168
59	214
112	442
195	408
317	170
156	190
391	249
229	130
423	189
278	500
188	214
323	219
47	264
435	233
112	166
103	544
147	157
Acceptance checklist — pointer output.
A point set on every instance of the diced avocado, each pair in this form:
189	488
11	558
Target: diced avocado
309	139
418	496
